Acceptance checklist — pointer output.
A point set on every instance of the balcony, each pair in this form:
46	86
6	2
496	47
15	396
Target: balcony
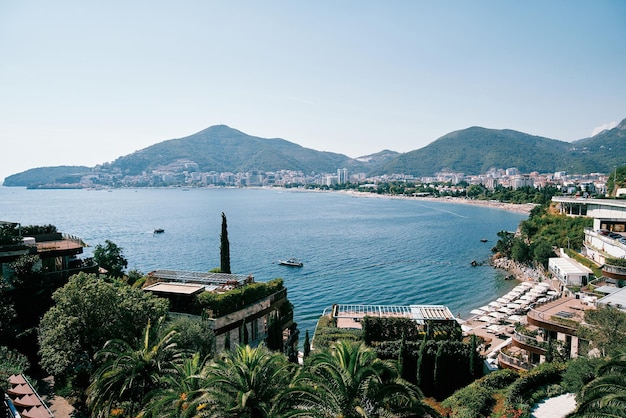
509	362
529	343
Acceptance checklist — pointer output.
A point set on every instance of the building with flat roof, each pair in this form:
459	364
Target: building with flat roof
350	316
249	322
569	271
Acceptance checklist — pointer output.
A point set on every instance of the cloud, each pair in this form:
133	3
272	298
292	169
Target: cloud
608	125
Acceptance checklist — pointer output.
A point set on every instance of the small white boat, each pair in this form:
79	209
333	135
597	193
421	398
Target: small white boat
293	262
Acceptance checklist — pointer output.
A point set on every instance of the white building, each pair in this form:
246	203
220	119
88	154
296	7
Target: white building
568	271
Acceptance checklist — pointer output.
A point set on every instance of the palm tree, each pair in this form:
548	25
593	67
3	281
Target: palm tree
129	373
605	396
183	394
245	382
348	380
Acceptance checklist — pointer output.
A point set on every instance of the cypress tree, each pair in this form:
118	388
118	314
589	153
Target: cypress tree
227	341
472	358
307	344
224	247
420	362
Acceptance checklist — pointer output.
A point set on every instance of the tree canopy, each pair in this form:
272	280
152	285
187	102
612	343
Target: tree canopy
87	313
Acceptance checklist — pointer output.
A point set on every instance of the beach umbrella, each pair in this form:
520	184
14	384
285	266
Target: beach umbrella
497	315
477	312
514	305
27	401
494	304
485	318
17	379
486	308
20	390
37	412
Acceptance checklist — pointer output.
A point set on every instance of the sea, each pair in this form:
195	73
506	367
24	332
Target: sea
355	249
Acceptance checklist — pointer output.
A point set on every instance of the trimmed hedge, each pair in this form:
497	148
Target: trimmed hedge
543	375
224	303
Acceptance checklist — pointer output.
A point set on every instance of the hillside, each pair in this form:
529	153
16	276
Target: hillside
220	148
471	151
606	149
475	150
48	175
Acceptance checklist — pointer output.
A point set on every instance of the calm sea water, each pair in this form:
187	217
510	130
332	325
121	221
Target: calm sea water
355	250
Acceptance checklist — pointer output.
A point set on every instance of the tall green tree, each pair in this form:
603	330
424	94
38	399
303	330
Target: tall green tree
348	380
87	313
130	371
111	258
224	247
307	345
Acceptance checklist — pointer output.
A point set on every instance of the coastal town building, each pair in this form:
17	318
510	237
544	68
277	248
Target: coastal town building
569	271
59	253
252	319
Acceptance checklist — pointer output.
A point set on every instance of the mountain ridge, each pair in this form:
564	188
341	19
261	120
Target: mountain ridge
471	151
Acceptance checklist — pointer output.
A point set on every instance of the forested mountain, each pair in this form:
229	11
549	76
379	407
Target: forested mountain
63	174
475	150
471	151
220	148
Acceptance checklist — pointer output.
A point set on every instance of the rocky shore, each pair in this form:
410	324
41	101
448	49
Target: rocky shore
519	271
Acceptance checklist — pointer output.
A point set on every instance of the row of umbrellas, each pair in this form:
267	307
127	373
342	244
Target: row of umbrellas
25	399
518	298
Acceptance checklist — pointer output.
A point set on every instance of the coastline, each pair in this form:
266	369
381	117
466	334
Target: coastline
511	207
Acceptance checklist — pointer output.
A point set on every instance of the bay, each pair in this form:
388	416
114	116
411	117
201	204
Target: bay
355	250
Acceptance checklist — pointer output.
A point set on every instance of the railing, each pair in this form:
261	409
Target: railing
527	340
515	362
614	269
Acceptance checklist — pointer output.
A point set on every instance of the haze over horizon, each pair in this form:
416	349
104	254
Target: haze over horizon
84	83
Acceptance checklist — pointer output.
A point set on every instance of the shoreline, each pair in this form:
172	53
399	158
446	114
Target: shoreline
524	208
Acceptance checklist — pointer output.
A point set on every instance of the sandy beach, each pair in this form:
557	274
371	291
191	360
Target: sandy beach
512	207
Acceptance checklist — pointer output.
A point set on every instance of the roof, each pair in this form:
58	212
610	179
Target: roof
349	316
176	288
617	299
569	266
218	279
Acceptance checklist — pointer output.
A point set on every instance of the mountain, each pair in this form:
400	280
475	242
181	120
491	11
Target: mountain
63	174
220	148
475	150
607	149
471	151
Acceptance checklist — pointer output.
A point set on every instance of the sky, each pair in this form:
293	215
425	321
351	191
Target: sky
84	82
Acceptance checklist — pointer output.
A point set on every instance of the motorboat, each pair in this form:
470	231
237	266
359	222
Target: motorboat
293	262
159	231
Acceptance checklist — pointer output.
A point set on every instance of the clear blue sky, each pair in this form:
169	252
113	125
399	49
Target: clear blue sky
84	82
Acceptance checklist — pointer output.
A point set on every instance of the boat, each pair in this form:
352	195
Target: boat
159	231
483	240
293	262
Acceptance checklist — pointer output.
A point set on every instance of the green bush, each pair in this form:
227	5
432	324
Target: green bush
543	375
236	299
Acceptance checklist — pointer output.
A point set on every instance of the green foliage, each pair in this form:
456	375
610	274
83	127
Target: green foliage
620	262
579	372
606	328
543	375
192	334
30	230
234	300
111	258
11	362
129	371
389	329
87	313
